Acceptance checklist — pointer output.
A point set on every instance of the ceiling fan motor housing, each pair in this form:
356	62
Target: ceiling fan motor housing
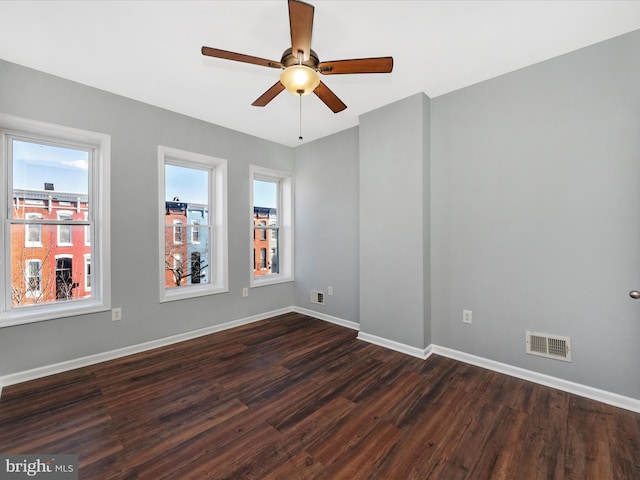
289	59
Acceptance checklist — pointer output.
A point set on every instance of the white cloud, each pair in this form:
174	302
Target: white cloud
81	164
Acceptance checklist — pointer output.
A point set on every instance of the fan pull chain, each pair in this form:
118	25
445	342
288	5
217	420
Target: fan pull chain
300	137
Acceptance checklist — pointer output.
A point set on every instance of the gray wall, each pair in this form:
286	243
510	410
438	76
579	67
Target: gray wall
516	198
326	224
136	130
536	208
393	156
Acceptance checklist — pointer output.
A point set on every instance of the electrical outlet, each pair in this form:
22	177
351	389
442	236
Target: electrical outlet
245	292
467	316
116	314
329	291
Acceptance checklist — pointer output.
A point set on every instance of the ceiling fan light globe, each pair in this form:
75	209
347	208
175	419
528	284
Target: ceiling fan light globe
299	79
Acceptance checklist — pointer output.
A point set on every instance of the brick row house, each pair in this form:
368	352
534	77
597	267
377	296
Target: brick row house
53	262
49	262
265	241
186	243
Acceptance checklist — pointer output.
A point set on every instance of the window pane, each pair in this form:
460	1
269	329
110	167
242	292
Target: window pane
185	184
47	174
274	252
64	231
265	252
195	231
265	220
186	263
178	231
34	234
187	230
49	183
47	272
33	237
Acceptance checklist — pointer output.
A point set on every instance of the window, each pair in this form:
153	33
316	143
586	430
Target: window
263	259
272	226
177	232
195	231
33	237
196	267
64	228
192	221
64	278
33	278
54	187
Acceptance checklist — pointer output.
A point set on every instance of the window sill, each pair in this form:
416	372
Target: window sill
186	292
274	279
41	313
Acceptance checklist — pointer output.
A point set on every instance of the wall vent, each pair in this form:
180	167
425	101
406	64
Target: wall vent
550	346
317	297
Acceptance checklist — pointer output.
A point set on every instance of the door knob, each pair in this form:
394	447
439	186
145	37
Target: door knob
635	294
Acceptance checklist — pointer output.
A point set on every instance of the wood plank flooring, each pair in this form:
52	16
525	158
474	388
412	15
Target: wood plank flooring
296	398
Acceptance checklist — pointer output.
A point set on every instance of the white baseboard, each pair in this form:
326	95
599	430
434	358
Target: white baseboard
603	396
397	346
328	318
47	370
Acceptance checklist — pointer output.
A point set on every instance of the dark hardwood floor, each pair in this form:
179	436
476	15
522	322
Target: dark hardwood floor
297	398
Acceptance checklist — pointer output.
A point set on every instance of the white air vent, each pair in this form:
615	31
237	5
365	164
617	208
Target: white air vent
550	346
317	297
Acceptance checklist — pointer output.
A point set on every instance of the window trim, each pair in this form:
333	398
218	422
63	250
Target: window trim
99	192
218	234
285	209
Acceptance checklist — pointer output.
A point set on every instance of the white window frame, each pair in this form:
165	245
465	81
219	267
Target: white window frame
99	193
285	210
218	270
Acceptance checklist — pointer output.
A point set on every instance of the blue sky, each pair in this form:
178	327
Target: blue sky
190	185
34	164
265	194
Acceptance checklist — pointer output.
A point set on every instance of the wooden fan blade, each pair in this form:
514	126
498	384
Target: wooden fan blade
329	98
269	95
357	65
301	25
239	57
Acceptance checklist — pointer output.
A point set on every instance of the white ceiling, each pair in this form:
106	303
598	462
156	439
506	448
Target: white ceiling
150	50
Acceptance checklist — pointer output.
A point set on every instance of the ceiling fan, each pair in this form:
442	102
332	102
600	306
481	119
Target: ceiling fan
300	65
